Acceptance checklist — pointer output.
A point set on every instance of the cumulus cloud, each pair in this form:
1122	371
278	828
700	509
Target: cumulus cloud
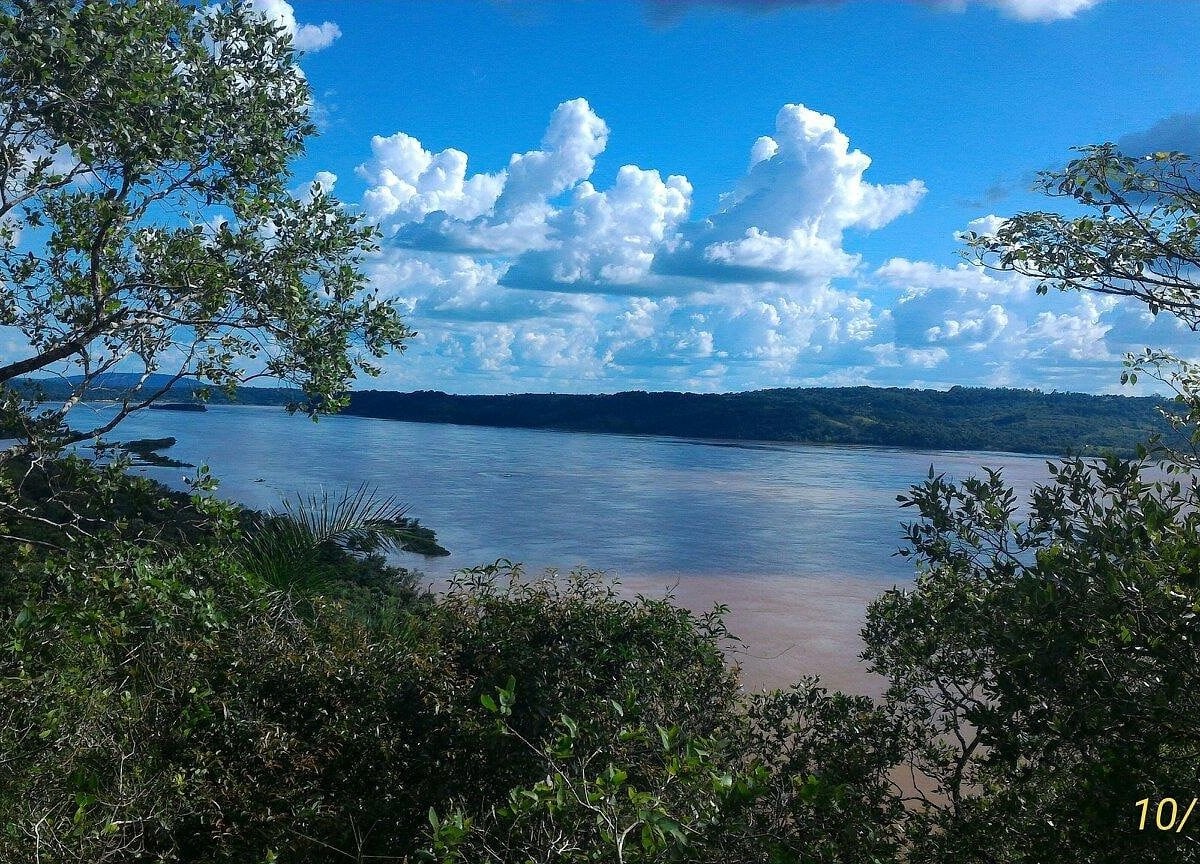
918	278
428	203
314	37
998	331
784	220
606	240
984	226
1020	10
534	276
573	140
977	328
1079	335
305	37
408	182
786	217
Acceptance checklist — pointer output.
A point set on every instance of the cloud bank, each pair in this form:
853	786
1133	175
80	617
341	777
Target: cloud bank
534	276
1019	10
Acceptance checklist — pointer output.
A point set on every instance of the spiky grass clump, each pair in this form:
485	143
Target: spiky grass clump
295	548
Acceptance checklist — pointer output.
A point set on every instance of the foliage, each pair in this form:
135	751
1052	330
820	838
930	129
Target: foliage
158	702
629	793
827	791
575	646
166	710
792	776
1137	237
182	681
1044	668
145	215
306	546
642	753
54	504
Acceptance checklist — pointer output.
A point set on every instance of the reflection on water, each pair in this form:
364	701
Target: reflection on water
795	538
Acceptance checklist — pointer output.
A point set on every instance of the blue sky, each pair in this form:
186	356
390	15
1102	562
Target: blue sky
703	195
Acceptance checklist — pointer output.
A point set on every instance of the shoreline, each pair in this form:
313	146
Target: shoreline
786	627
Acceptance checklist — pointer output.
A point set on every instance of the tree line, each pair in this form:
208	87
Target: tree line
963	418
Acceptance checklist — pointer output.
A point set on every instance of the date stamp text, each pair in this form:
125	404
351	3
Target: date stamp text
1167	814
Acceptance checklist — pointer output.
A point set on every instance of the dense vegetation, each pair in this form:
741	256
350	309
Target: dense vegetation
148	218
967	418
181	683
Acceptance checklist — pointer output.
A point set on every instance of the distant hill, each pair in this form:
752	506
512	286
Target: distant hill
963	418
114	385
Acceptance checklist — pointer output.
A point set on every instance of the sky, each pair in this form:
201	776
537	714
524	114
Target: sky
720	195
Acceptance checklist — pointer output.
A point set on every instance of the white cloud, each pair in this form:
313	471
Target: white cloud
605	239
305	37
918	278
785	219
1021	10
573	140
407	182
429	204
888	354
977	327
535	277
322	181
493	347
314	37
1042	10
1080	336
984	226
997	330
522	283
787	216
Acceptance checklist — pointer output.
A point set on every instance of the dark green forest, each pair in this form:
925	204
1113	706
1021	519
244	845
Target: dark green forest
962	418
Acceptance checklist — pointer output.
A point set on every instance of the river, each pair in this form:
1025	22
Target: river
796	539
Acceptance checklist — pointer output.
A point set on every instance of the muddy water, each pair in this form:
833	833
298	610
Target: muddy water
795	539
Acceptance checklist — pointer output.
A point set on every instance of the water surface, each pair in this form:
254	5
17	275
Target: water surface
795	538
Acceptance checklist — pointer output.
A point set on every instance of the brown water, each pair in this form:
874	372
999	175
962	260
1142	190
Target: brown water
788	627
795	539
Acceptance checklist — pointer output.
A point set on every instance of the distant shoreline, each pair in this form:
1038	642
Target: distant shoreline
961	418
974	419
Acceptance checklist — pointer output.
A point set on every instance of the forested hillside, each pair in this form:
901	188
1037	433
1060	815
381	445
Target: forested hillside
962	418
1020	421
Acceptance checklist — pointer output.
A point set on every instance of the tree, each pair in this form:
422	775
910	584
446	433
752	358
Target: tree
1138	237
146	219
1044	664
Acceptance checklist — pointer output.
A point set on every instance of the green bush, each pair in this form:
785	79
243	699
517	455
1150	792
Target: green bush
161	701
1045	668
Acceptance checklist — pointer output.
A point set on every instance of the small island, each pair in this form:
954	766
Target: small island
179	406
